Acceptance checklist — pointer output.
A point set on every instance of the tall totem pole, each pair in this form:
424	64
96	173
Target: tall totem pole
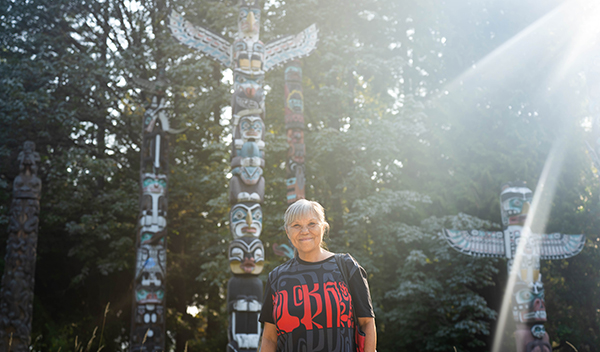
529	309
16	295
250	59
148	312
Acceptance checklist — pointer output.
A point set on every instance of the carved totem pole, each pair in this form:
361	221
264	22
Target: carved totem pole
16	295
148	311
250	59
529	309
294	124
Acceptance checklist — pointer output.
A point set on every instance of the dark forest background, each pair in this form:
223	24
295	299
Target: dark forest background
417	112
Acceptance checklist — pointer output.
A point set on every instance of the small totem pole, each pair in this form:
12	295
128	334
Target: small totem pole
16	296
148	311
529	309
249	59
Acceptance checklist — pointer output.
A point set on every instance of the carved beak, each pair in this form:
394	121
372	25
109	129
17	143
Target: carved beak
525	209
249	218
251	20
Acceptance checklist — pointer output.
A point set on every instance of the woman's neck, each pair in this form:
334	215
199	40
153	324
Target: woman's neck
322	254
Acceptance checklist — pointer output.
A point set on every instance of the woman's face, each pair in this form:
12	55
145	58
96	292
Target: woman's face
306	234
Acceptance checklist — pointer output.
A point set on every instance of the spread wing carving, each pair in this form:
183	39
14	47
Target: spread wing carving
559	246
200	39
476	243
291	47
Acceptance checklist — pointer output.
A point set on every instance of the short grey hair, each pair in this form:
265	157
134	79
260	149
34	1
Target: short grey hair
303	208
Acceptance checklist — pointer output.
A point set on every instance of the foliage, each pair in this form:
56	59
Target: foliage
404	137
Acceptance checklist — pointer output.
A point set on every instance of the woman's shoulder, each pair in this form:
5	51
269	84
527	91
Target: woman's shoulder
282	268
347	259
350	263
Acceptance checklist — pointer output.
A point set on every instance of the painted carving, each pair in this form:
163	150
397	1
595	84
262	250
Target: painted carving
149	305
248	163
529	308
529	305
245	220
201	39
244	297
16	295
277	52
248	57
246	256
250	128
294	123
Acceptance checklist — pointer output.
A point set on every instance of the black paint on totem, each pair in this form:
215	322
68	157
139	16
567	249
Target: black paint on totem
16	295
244	299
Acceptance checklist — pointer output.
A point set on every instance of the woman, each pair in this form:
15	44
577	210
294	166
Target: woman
308	306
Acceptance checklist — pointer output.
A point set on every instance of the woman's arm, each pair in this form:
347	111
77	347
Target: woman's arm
269	338
367	325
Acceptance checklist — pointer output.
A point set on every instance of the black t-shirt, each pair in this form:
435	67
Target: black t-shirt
310	305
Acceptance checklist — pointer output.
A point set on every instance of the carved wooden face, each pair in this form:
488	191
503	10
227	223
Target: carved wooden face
151	265
250	170
251	128
248	57
154	184
245	220
514	205
528	302
146	295
240	102
246	256
295	101
249	85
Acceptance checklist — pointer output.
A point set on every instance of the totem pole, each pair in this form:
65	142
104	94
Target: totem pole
529	310
148	309
250	59
16	295
294	124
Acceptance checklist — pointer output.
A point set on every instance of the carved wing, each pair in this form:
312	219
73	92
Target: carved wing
477	243
559	246
200	39
291	47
